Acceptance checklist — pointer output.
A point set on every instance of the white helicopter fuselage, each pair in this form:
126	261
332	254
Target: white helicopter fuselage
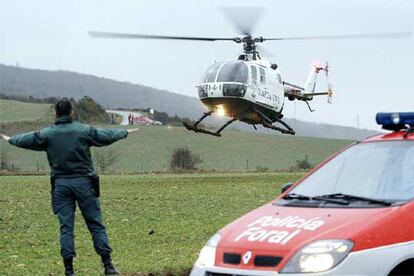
239	88
251	89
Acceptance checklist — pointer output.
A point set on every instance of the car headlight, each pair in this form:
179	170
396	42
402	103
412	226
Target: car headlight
207	255
319	256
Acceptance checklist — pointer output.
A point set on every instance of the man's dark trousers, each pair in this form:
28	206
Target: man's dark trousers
68	191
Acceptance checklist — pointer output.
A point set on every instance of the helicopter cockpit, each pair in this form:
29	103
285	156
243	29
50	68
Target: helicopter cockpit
233	71
233	77
230	71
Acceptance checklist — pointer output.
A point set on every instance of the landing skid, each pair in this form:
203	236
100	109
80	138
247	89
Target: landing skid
268	124
197	129
282	130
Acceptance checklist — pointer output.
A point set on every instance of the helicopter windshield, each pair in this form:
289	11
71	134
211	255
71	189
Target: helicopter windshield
210	74
234	71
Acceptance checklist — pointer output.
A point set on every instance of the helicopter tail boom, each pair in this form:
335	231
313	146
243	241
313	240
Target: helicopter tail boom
306	93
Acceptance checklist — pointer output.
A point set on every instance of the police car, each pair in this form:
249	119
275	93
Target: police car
351	215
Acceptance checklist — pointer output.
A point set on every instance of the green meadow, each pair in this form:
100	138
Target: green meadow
183	210
236	175
15	111
151	149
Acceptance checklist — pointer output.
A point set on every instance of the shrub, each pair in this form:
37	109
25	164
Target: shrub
183	159
262	169
303	164
89	111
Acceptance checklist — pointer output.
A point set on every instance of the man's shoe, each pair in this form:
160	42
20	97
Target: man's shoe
68	267
109	267
111	271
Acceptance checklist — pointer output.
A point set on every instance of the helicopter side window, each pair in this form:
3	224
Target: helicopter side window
210	74
233	72
262	75
254	74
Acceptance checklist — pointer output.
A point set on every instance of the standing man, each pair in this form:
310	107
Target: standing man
73	177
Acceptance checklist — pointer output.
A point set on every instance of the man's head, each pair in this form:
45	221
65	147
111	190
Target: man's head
63	108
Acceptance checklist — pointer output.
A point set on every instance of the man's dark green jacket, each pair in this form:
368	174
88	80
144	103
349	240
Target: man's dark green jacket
67	145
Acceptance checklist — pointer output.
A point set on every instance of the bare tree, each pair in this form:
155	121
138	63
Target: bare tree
6	163
302	165
105	158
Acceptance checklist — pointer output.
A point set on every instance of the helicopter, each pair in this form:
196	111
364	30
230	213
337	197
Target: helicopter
250	88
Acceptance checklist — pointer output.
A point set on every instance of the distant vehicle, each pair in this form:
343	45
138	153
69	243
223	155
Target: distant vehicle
351	215
143	120
251	89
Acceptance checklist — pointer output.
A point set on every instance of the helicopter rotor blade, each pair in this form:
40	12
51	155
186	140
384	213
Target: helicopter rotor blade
145	36
390	35
244	19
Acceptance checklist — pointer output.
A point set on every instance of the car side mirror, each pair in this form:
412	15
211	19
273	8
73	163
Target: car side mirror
286	186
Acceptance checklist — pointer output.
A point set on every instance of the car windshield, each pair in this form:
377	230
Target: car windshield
210	74
235	71
377	170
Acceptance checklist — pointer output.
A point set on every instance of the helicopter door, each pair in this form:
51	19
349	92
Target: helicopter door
262	76
263	93
254	76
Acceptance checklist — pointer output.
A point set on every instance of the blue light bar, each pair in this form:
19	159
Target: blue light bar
395	120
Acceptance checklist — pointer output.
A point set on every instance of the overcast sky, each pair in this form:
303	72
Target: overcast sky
368	76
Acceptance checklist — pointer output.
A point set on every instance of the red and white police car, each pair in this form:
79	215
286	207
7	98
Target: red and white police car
352	215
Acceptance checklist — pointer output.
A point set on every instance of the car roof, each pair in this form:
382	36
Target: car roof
391	136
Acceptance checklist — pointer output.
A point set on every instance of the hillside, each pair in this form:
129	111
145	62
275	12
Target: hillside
109	93
14	111
115	94
151	149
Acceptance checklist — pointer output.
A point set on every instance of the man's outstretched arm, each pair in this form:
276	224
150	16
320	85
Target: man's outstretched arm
132	130
30	140
106	136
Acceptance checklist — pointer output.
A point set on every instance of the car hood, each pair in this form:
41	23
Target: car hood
282	229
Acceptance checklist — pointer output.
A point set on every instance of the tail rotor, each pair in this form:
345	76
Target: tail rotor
330	88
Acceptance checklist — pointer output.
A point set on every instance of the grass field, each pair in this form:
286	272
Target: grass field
151	149
183	210
14	111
